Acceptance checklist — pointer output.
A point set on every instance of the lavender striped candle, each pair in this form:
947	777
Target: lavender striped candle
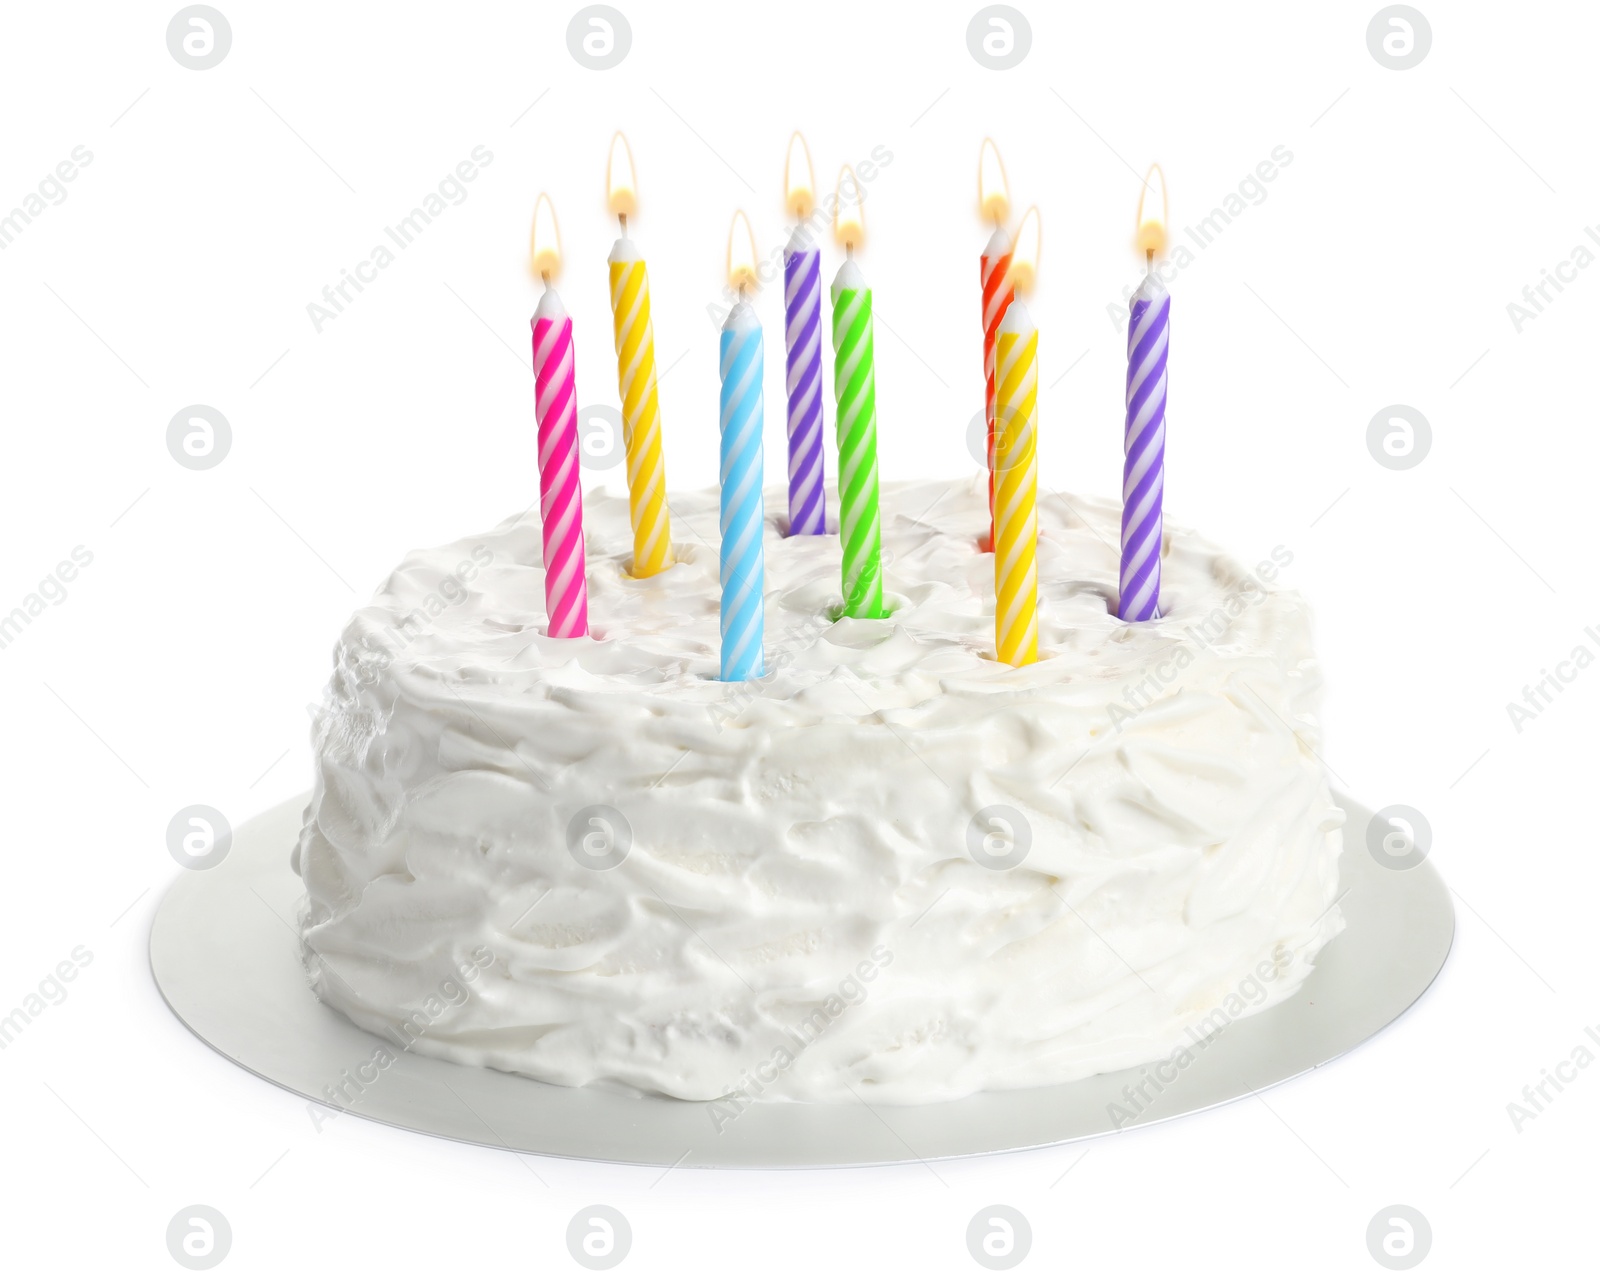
1144	449
802	303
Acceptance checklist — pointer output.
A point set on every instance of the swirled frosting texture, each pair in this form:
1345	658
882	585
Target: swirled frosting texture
803	910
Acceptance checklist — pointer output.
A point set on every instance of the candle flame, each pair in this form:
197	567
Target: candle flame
799	184
741	253
546	239
849	222
994	195
1151	237
1025	254
622	196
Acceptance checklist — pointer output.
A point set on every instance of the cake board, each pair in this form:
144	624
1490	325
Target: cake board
225	956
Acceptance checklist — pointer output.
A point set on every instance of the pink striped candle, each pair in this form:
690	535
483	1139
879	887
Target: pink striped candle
994	270
566	591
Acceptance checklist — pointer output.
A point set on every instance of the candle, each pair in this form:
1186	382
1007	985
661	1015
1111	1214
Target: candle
855	390
636	375
1016	468
994	267
566	592
743	516
1145	434
802	309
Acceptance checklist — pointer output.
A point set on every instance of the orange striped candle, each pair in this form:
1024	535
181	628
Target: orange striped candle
994	269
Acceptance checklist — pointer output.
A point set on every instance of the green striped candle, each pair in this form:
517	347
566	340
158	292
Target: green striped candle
855	391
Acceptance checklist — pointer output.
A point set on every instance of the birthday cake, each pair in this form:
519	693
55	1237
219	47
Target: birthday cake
892	868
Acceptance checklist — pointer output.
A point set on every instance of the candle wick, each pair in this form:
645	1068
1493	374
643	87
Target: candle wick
849	251
545	275
622	220
1149	259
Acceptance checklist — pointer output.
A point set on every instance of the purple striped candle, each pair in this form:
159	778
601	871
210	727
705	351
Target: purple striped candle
802	304
1144	448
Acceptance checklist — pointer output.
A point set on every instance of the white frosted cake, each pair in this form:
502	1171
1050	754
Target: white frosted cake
892	869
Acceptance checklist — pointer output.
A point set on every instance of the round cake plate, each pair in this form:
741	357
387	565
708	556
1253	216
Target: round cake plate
225	955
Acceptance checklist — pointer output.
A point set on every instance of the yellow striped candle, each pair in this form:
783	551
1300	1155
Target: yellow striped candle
1016	469
636	376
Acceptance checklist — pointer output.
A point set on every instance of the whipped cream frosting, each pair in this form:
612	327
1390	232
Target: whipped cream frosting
892	869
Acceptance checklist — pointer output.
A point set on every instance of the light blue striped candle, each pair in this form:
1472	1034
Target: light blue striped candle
743	515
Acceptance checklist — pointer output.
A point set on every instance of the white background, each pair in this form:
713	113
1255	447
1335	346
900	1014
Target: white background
180	665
